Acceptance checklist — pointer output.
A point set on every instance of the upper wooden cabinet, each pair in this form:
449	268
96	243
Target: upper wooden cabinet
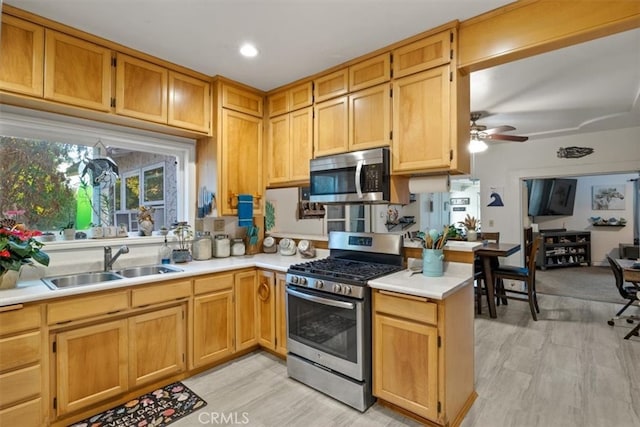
292	99
290	147
331	126
331	85
423	54
189	102
21	56
244	101
77	72
421	122
141	89
370	118
240	156
370	72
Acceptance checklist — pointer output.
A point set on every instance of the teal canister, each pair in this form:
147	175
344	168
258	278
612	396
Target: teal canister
432	262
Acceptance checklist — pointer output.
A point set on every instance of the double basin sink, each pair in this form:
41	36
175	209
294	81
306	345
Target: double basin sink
83	279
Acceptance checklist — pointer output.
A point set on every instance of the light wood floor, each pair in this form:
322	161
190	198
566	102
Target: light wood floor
568	369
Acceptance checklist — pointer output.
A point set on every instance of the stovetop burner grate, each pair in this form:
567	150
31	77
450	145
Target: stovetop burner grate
338	268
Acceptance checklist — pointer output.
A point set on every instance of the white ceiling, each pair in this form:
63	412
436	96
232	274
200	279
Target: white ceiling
588	87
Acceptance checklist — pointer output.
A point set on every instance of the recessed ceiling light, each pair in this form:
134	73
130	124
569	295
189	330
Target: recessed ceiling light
248	50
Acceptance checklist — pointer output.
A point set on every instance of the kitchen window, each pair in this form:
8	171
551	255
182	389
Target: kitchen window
348	217
44	186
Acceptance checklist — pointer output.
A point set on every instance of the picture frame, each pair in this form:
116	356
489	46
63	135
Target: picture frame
608	197
460	201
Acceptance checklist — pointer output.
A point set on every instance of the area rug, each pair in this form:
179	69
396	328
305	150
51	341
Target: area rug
159	408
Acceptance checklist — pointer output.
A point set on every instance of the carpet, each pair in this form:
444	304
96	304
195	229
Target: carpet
590	283
159	408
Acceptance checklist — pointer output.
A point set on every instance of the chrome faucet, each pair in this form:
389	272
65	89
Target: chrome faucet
109	260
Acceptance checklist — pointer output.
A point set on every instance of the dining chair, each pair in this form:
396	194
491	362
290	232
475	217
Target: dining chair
629	293
478	270
526	274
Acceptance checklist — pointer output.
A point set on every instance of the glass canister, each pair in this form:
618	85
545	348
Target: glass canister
201	247
238	247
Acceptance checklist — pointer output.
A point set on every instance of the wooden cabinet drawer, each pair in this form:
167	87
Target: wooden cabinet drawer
79	308
20	350
160	293
20	385
19	319
213	283
406	306
27	414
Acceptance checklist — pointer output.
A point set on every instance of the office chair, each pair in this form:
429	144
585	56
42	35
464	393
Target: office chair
630	293
526	274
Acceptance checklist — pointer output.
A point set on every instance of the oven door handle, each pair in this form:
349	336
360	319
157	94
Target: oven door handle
321	300
358	175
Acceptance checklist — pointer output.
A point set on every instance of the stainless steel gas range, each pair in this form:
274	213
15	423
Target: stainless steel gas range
329	315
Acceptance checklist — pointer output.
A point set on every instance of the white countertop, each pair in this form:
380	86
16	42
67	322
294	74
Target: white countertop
456	276
36	290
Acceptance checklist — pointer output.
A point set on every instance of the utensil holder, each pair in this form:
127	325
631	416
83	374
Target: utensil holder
432	262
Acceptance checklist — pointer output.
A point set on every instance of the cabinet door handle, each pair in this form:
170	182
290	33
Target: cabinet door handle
263	291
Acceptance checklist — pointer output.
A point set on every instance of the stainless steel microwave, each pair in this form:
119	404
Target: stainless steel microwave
355	177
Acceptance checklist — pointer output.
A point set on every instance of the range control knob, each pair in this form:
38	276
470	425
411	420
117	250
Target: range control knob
347	290
319	284
303	281
294	279
337	288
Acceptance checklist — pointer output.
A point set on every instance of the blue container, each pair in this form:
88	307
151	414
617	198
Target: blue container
432	262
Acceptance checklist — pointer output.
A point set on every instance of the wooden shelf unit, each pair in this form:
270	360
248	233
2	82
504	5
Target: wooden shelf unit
564	249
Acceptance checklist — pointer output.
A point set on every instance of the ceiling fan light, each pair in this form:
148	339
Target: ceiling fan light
477	146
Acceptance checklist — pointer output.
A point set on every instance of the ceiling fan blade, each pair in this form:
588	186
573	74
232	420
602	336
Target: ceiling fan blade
498	129
507	138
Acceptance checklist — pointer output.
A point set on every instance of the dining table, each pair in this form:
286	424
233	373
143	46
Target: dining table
630	271
488	254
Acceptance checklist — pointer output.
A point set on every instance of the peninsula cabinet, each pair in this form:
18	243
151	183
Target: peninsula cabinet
77	72
21	56
22	377
289	147
423	358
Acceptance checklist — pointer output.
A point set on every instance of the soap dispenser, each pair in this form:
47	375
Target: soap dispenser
165	252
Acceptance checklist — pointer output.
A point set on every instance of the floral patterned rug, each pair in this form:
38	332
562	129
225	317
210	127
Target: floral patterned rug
159	408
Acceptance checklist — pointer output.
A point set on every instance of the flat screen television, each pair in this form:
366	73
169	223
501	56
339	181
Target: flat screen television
551	196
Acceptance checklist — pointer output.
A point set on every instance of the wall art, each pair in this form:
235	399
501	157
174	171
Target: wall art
608	197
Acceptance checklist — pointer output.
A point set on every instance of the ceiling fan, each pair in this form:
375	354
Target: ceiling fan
480	132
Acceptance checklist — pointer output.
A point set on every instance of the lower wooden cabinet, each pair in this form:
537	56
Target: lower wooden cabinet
272	315
22	372
156	345
91	365
100	361
246	306
423	354
281	314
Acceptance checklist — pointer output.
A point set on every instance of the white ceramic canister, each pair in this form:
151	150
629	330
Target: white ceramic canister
222	246
238	247
202	247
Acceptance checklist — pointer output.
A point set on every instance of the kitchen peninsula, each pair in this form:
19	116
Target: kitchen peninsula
225	291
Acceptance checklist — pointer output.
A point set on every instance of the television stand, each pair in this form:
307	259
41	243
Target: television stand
564	249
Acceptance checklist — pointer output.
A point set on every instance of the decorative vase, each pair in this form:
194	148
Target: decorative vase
432	262
472	235
181	255
146	227
9	279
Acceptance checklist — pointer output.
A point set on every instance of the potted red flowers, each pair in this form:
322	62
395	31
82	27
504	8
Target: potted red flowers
18	247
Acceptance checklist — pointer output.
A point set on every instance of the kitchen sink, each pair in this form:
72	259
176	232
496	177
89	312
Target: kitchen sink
80	279
147	270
